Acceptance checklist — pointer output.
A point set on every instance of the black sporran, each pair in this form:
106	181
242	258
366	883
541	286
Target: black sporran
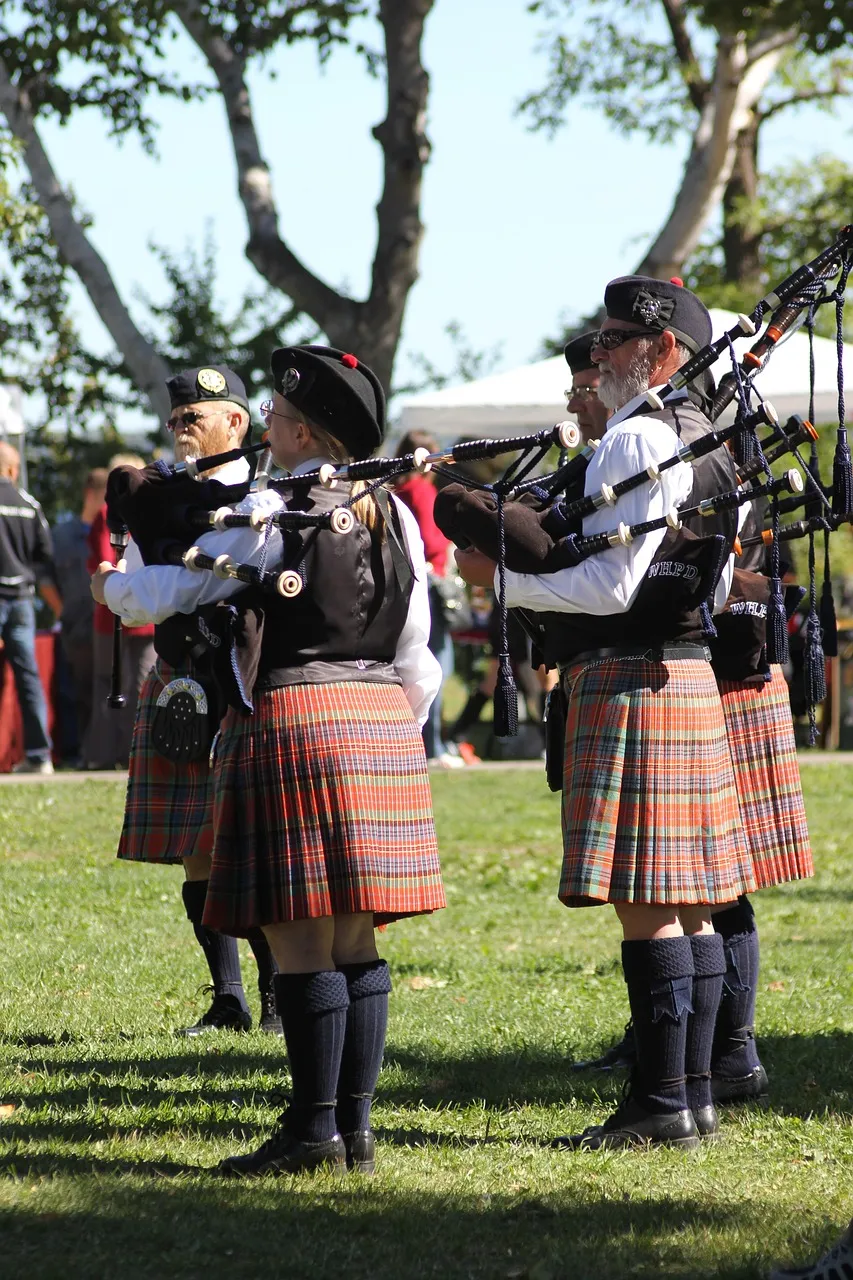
183	726
556	711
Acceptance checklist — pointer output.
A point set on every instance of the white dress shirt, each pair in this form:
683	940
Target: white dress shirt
608	582
156	592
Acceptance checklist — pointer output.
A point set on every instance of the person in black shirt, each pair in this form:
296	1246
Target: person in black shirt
26	558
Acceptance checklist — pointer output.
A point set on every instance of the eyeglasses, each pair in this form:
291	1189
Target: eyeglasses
610	339
581	393
189	419
268	410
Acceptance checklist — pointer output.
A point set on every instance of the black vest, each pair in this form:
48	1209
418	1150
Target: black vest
354	604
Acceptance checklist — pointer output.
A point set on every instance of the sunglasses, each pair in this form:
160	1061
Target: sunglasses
610	339
188	419
581	393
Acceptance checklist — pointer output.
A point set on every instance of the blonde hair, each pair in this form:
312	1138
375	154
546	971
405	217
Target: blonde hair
365	509
125	460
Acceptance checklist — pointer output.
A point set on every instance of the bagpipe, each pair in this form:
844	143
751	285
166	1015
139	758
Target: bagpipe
535	521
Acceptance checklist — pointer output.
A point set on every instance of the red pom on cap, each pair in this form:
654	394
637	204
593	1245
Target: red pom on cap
677	280
349	361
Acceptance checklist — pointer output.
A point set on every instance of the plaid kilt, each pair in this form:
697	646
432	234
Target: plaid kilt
650	811
767	776
168	813
322	807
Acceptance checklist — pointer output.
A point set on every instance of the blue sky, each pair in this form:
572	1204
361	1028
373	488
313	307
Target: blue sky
519	229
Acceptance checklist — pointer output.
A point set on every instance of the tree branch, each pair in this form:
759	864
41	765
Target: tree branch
266	249
737	88
148	370
773	43
691	72
803	95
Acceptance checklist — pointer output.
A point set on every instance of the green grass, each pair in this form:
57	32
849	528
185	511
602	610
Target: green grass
103	1160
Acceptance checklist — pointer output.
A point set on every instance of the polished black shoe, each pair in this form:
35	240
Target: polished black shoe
622	1054
749	1088
633	1126
270	1021
707	1122
224	1014
361	1151
283	1153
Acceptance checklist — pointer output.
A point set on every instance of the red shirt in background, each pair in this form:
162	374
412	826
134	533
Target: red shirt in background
100	549
418	493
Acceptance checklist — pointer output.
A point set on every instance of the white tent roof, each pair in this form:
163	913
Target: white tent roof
531	398
11	411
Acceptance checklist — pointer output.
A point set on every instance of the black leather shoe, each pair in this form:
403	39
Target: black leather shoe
224	1014
283	1153
633	1126
270	1021
622	1054
707	1122
749	1088
361	1151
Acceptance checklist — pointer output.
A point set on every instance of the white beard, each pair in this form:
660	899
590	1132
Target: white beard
615	391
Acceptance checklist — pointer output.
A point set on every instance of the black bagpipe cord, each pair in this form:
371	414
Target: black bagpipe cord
826	607
842	467
506	693
777	621
814	663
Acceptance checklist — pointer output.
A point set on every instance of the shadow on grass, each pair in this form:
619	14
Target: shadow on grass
210	1228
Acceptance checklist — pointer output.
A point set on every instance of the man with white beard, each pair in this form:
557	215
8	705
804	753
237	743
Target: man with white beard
650	813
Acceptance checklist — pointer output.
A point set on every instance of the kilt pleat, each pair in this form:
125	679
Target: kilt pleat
168	812
322	807
767	775
650	811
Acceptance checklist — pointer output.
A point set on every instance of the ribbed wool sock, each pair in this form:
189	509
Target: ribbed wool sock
220	951
709	965
734	1053
659	974
267	967
470	715
313	1010
369	985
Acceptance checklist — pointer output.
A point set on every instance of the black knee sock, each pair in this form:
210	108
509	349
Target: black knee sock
368	985
313	1009
734	1053
220	951
470	714
267	967
659	974
709	965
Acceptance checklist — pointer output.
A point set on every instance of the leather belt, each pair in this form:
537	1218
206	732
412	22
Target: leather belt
665	653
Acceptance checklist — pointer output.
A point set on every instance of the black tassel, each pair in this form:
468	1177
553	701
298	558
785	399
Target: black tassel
842	477
506	701
777	625
707	620
814	667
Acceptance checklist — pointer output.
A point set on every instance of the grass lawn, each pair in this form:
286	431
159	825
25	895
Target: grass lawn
109	1125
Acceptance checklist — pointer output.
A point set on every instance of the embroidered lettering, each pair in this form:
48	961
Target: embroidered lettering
750	608
674	569
208	635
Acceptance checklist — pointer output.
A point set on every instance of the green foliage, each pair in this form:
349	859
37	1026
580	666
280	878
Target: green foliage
116	1124
825	24
468	364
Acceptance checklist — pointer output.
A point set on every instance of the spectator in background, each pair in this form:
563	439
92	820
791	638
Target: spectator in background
26	558
418	492
107	743
71	553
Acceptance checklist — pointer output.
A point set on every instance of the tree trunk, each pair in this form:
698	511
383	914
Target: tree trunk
740	77
741	236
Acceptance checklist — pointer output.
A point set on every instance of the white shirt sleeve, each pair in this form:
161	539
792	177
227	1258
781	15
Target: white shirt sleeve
607	583
416	666
155	592
724	586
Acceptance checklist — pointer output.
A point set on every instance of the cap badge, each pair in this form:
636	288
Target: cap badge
211	381
289	381
652	309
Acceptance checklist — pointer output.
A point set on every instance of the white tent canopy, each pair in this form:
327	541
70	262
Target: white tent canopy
11	411
532	398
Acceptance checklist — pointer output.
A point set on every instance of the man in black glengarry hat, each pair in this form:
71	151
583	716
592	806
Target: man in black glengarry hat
169	809
582	396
